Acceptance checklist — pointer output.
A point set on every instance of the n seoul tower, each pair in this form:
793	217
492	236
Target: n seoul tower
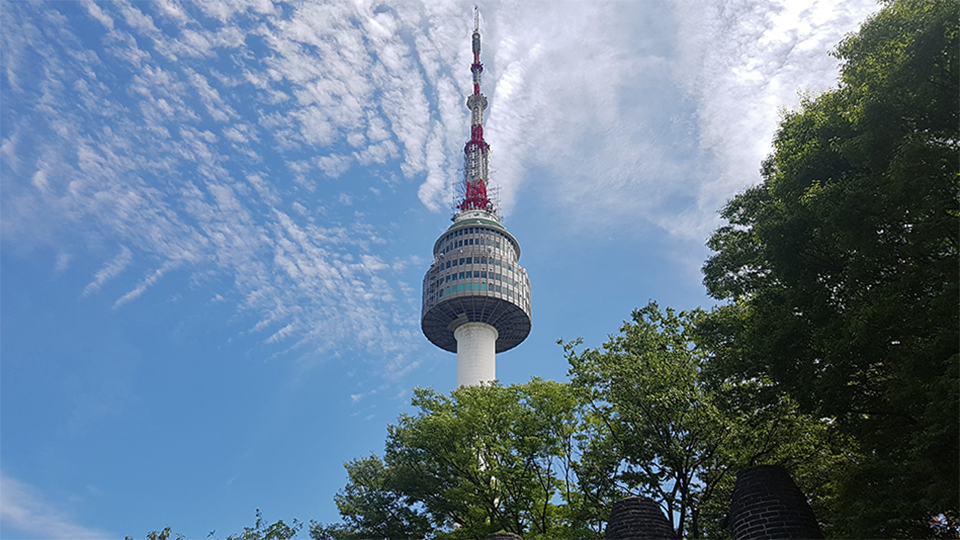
476	297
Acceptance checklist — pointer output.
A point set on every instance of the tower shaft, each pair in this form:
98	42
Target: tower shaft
476	354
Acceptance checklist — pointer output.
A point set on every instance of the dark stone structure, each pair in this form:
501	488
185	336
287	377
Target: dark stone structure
503	536
638	518
767	504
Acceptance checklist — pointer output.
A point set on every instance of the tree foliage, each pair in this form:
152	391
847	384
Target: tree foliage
481	460
260	530
842	266
658	426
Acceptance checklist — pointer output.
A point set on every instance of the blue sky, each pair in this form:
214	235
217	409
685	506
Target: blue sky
216	218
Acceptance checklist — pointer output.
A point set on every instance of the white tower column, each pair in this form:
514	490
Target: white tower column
476	353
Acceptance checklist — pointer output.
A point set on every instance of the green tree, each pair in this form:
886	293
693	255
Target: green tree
842	267
259	531
481	460
373	505
264	531
657	426
160	535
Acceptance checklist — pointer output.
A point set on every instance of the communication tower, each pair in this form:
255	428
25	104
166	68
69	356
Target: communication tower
476	296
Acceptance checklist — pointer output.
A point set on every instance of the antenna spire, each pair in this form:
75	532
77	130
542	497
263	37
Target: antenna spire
476	165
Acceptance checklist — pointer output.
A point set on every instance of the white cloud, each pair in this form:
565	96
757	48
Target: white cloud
23	508
111	270
194	137
743	61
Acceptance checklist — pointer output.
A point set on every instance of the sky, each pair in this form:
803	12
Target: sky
215	219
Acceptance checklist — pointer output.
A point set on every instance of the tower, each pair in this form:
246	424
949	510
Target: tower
476	296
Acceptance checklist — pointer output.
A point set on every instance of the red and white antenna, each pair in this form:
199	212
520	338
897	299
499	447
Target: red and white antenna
476	153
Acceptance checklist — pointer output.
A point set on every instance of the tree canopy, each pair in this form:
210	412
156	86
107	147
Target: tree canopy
481	460
842	266
547	459
658	425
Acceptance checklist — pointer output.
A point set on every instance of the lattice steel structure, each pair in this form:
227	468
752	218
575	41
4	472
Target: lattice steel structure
476	296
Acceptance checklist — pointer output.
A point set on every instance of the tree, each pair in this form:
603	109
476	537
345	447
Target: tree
260	531
481	460
657	426
373	505
160	535
264	531
842	267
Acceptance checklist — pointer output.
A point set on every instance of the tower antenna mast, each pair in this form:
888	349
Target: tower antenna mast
476	153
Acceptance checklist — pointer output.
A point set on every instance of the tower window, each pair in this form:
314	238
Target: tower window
461	275
448	264
469	260
483	273
461	287
461	260
483	286
469	275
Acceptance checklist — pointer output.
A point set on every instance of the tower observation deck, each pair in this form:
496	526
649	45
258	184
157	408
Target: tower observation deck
476	296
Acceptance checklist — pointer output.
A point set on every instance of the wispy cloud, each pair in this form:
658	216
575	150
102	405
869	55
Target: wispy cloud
23	508
111	270
198	138
743	62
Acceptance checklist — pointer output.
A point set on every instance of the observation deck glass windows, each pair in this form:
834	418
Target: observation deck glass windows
483	286
461	288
